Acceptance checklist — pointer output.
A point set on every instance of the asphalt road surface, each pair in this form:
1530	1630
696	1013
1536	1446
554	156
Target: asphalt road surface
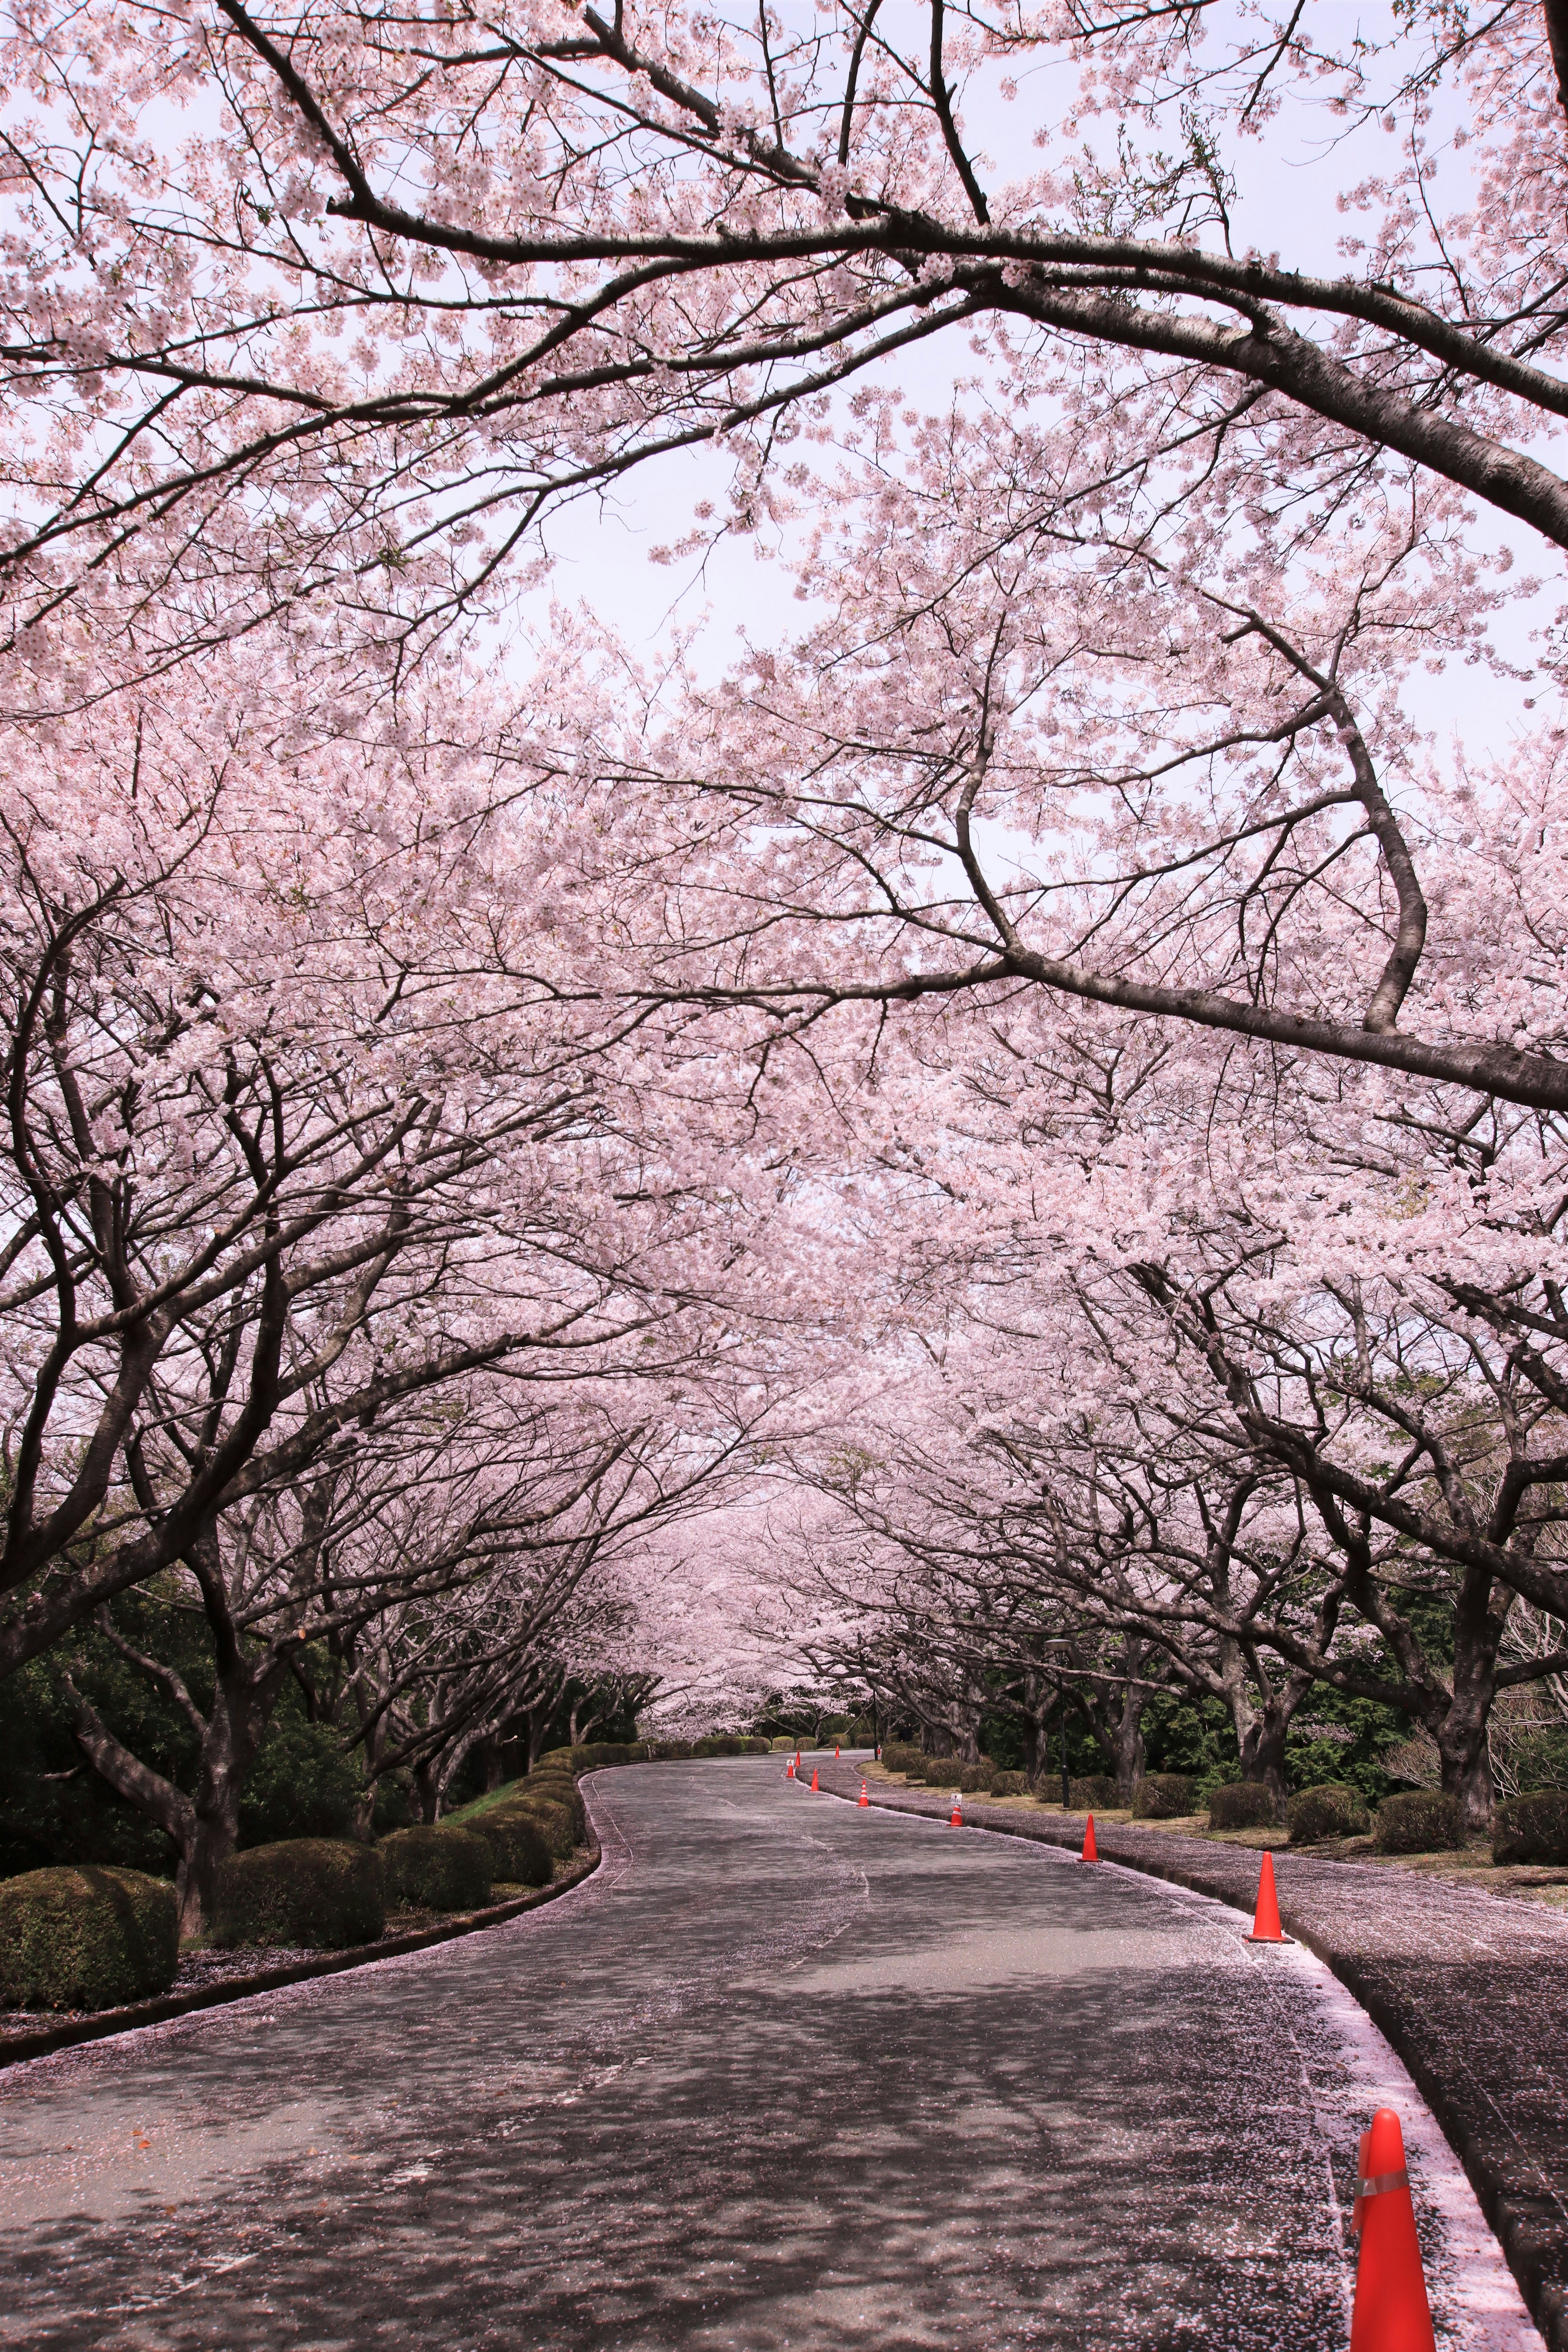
782	2074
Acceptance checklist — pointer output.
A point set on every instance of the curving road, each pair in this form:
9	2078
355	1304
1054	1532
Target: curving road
782	2074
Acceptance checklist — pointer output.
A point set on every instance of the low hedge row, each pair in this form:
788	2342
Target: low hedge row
1240	1805
1164	1797
1421	1823
444	1867
1533	1829
83	1937
1330	1810
1094	1793
320	1894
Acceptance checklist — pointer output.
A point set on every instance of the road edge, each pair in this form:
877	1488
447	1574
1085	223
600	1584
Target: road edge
22	2047
1507	2217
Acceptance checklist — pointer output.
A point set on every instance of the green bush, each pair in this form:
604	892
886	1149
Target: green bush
438	1868
1330	1810
1164	1797
675	1751
553	1823
1240	1805
1094	1794
1421	1823
1010	1784
593	1757
323	1894
973	1778
720	1743
756	1747
1532	1828
86	1938
554	1789
902	1756
518	1850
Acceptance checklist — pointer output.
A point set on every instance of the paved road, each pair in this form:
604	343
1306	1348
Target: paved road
784	2074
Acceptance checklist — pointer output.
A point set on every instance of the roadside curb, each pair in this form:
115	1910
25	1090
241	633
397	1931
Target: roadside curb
1530	2224
19	2048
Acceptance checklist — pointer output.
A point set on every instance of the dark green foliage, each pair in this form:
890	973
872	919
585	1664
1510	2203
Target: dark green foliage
1010	1784
1540	1762
1095	1794
1327	1811
862	1732
303	1783
675	1751
1240	1805
554	1822
439	1868
86	1938
55	1808
719	1743
322	1893
901	1756
1532	1828
972	1778
519	1849
1189	1737
601	1753
1001	1738
1165	1796
763	1747
1421	1823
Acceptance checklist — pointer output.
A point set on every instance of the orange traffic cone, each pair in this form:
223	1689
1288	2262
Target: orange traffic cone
1265	1927
1390	2311
789	1771
814	1779
836	1752
865	1800
957	1820
1090	1850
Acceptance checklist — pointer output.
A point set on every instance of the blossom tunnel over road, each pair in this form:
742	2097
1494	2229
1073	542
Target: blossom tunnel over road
785	2072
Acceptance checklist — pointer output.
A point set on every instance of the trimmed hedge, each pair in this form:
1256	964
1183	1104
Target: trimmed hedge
438	1867
1240	1805
1164	1797
1096	1793
519	1849
555	1788
1533	1829
1422	1823
776	1746
80	1936
675	1751
1010	1784
972	1778
1329	1810
322	1893
553	1822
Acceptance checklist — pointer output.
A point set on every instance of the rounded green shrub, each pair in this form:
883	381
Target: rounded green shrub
1532	1828
720	1743
555	1789
1010	1784
974	1778
1326	1811
438	1868
756	1747
84	1937
518	1850
675	1751
1096	1793
1240	1805
553	1823
1164	1797
1421	1823
323	1894
788	1743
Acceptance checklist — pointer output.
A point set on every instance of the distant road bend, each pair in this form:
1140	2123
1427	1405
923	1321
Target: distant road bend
782	2074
